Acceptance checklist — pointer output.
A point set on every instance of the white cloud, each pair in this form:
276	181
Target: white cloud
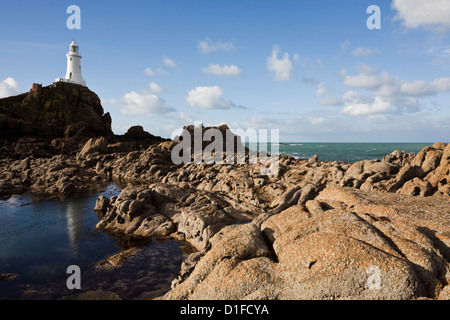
386	93
150	72
326	96
356	106
218	70
441	84
156	88
169	62
9	87
208	98
282	68
368	78
365	52
135	104
421	88
153	73
430	14
207	46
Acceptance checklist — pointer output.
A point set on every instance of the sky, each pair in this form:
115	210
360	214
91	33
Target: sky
313	69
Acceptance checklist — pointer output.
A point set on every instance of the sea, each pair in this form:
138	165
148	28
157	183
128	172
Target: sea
347	152
41	238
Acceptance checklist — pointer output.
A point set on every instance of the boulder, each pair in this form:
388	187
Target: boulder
399	158
199	222
362	171
416	187
94	145
287	199
440	177
229	269
101	204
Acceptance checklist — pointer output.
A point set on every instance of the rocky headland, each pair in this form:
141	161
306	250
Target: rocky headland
374	229
46	134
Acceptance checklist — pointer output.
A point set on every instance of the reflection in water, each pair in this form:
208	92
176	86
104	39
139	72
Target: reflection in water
40	238
74	216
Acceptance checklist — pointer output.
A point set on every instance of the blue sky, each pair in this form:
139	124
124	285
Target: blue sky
311	69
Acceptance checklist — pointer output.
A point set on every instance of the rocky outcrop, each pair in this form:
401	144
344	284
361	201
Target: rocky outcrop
424	174
52	120
48	112
345	244
161	210
60	119
94	145
56	176
200	137
427	174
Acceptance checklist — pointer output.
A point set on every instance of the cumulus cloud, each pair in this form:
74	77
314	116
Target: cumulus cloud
282	68
384	92
384	84
430	14
421	88
206	46
369	78
9	87
208	98
136	104
225	70
156	88
365	52
357	104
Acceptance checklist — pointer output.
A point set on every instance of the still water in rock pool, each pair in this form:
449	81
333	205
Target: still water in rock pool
39	239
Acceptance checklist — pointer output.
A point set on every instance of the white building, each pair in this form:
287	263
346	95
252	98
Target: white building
73	74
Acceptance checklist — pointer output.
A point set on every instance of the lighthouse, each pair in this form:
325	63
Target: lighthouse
73	74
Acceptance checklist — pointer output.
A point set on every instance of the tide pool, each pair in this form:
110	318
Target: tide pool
40	238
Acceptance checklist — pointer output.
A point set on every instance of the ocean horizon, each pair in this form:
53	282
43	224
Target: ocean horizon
343	151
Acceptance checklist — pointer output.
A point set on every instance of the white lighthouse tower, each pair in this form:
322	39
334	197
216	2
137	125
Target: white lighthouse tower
73	74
